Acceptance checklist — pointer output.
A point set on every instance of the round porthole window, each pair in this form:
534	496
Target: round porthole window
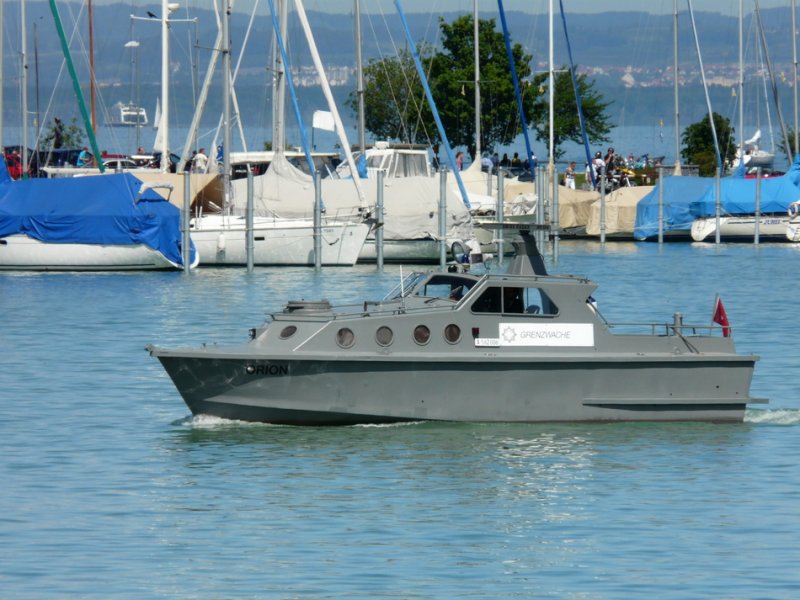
345	337
288	332
452	333
384	336
422	335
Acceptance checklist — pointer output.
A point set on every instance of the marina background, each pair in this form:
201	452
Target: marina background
111	489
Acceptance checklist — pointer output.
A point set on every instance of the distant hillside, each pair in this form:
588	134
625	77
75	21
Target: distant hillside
606	43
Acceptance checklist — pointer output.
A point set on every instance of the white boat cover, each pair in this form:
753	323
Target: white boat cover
410	203
620	211
574	207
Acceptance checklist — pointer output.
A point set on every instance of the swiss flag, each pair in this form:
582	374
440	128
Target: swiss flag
720	317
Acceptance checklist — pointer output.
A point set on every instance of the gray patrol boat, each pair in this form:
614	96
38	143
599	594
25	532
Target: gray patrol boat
521	346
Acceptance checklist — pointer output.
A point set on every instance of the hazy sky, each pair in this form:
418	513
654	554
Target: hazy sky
571	6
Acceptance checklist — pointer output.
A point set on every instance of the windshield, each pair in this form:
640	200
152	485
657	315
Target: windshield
405	286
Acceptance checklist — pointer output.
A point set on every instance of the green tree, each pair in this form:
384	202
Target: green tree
452	84
394	100
566	123
699	148
72	136
395	103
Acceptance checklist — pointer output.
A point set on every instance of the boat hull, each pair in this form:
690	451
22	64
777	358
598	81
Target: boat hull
222	241
740	228
417	251
20	252
625	387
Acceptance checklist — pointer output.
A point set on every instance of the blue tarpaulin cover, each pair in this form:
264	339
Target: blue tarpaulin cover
738	195
90	210
687	198
679	193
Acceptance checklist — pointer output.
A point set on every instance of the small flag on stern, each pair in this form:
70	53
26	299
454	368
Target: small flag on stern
721	317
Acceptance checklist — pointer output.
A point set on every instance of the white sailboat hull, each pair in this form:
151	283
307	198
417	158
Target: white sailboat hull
222	240
740	227
20	252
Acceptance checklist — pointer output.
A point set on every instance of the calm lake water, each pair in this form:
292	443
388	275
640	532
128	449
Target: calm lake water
111	489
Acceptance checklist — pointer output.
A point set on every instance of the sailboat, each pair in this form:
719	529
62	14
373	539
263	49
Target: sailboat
735	215
113	222
278	239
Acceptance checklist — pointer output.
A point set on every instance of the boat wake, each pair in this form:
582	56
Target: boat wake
781	416
212	422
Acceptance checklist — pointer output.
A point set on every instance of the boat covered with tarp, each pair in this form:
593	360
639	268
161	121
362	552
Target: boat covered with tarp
87	223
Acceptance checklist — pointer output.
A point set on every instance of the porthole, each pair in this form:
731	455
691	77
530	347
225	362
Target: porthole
384	336
345	337
288	332
452	333
422	335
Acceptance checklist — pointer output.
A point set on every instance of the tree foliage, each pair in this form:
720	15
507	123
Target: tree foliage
395	103
394	99
70	136
396	107
566	123
699	148
452	84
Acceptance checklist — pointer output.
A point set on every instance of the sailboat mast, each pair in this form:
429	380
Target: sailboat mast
24	86
164	125
92	90
675	86
476	48
551	85
362	144
279	81
741	82
787	146
794	87
2	87
226	102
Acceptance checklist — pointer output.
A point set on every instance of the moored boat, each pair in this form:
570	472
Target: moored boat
222	240
111	222
522	346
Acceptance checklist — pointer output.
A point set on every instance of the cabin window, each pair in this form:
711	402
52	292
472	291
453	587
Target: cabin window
384	336
345	338
452	333
288	332
446	286
422	335
515	301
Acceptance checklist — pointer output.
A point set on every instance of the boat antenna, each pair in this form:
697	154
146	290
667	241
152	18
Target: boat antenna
402	290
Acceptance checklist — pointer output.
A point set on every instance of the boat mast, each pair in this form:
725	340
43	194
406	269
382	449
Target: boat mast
741	82
24	87
326	90
551	84
476	49
134	46
786	145
279	80
675	77
92	90
794	87
2	87
708	99
362	144
226	103
164	125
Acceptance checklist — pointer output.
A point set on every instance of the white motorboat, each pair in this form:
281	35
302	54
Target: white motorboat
124	114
